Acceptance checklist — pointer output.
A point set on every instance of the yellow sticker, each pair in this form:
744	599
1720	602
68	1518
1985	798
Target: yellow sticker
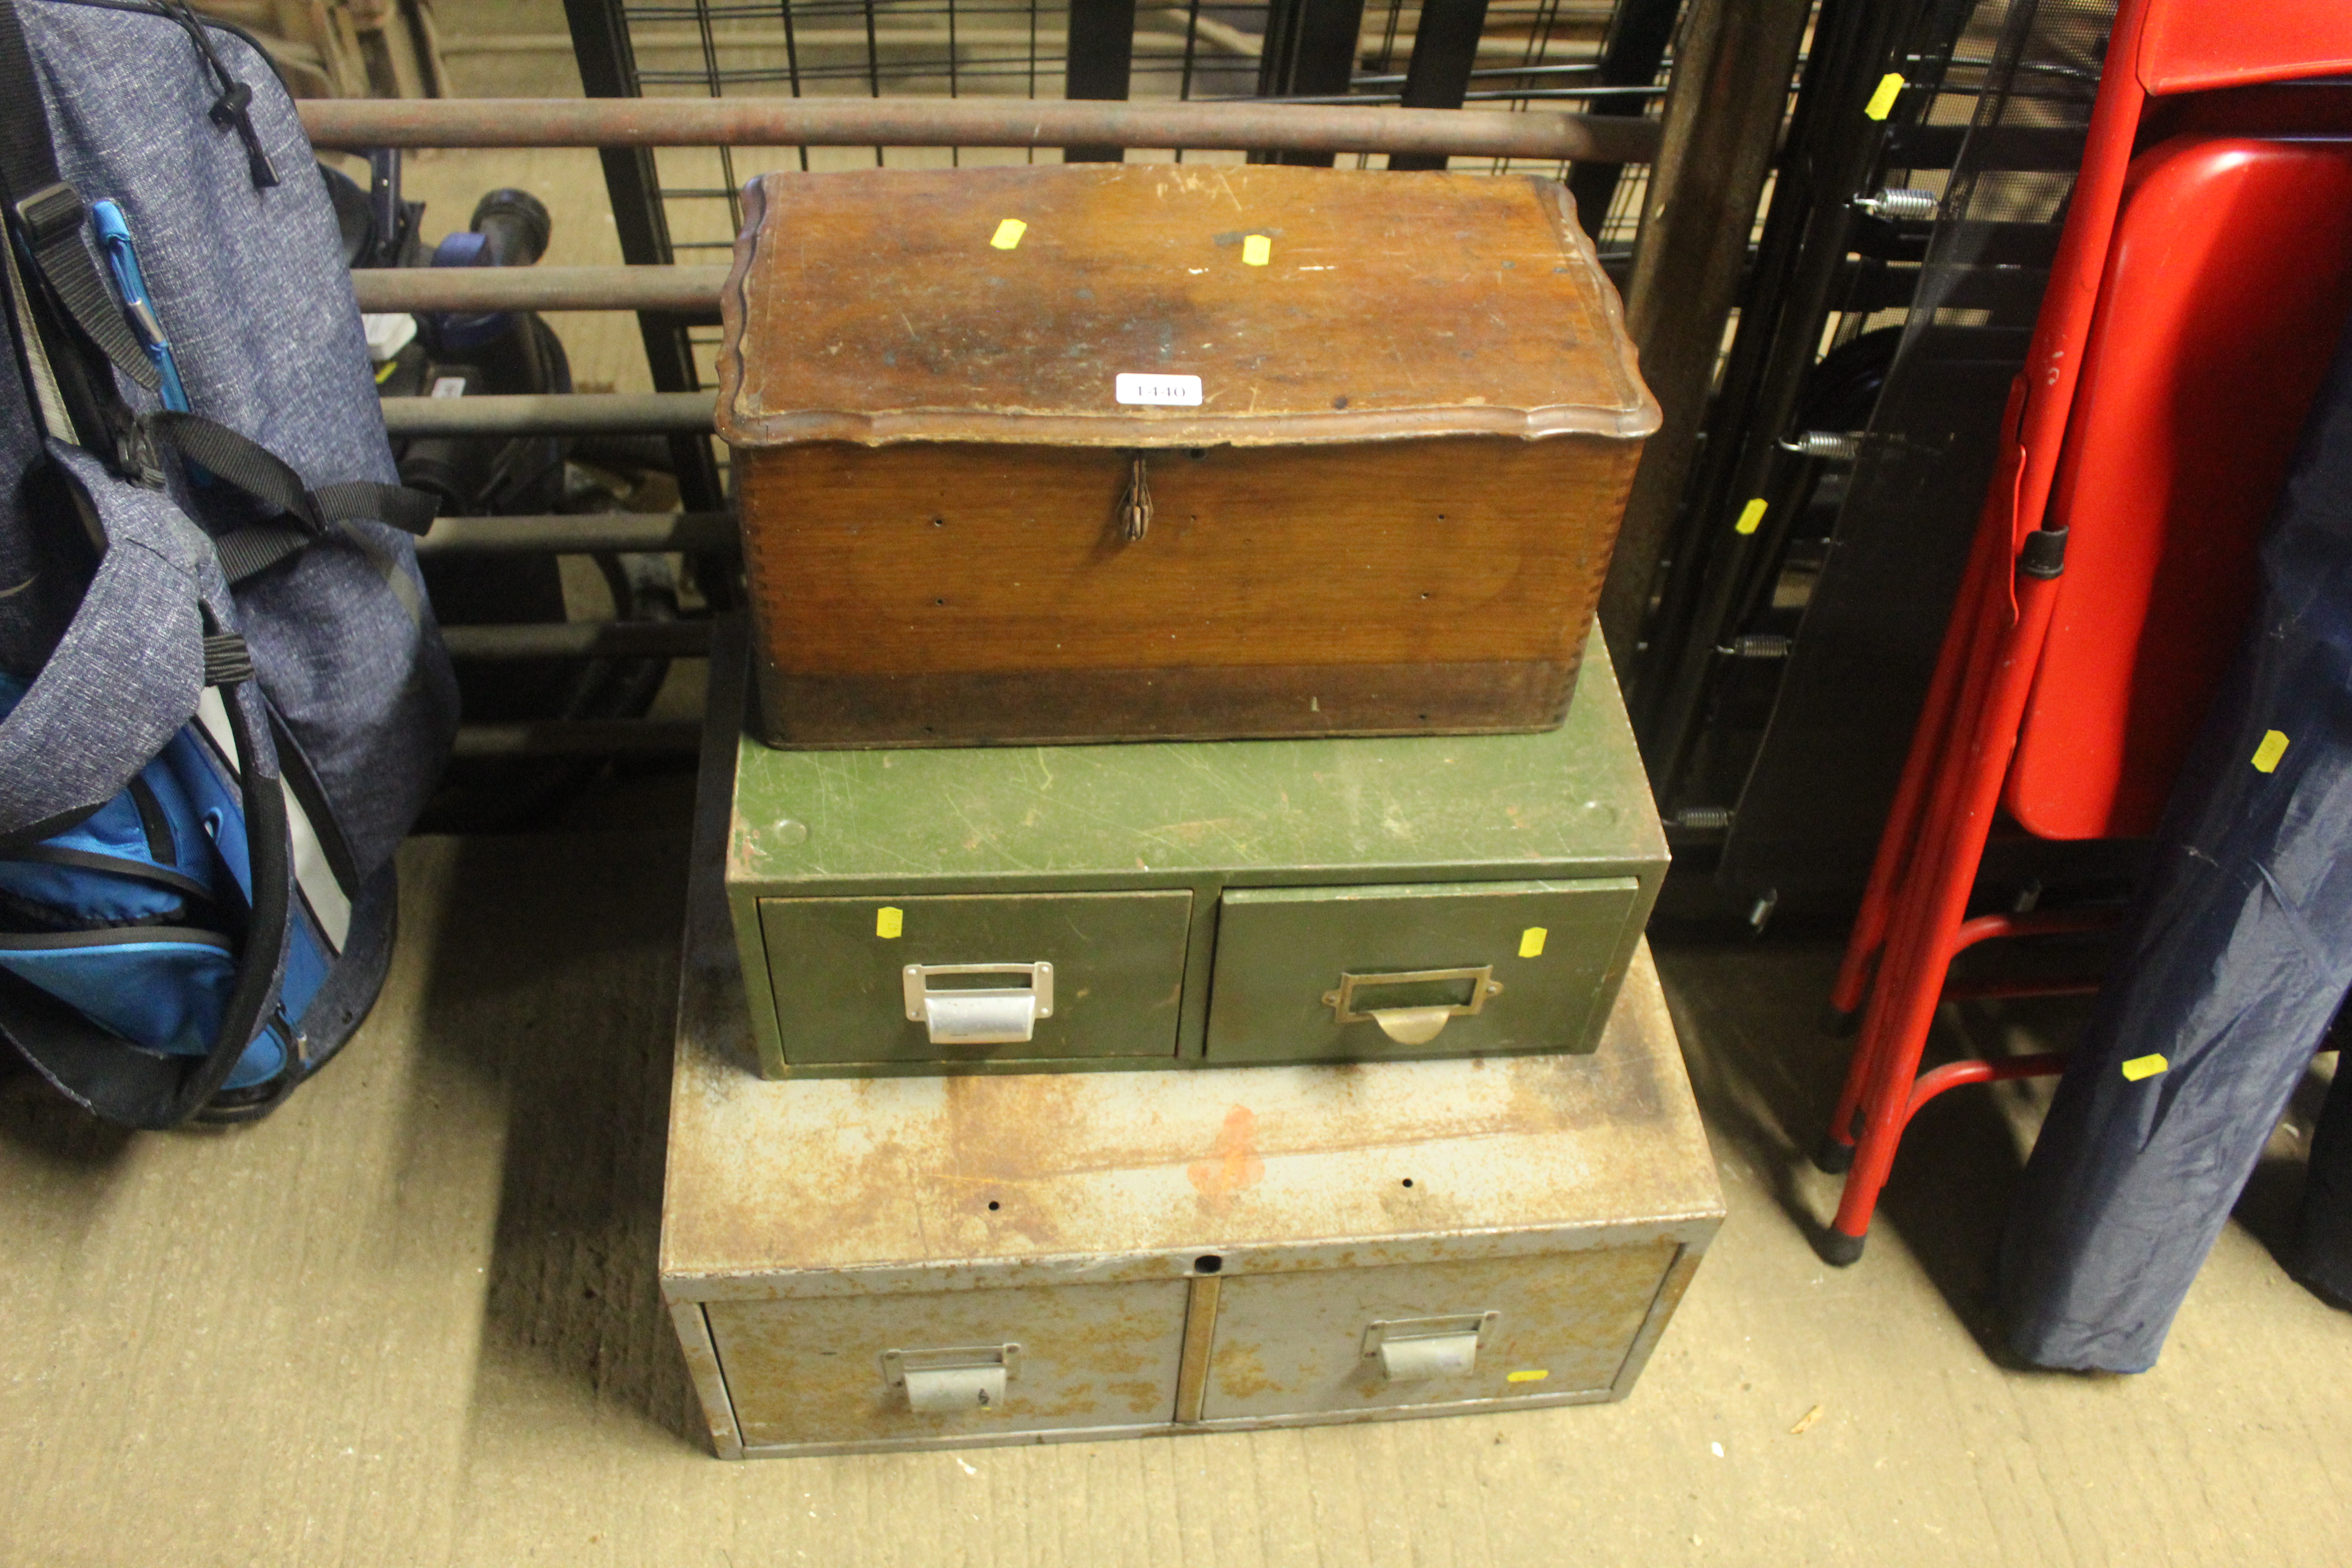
2139	1068
1531	941
1008	234
888	922
1882	102
2267	755
1751	517
1532	1374
1257	250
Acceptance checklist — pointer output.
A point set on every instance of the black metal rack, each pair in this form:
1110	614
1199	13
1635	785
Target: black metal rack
1816	549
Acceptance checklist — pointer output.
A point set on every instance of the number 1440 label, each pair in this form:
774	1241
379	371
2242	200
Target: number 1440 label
1167	391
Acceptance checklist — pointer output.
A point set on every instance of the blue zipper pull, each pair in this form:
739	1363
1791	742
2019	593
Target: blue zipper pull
114	238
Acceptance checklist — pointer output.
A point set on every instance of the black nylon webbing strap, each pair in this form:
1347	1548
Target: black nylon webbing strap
394	506
303	514
51	220
262	474
49	215
242	461
248	552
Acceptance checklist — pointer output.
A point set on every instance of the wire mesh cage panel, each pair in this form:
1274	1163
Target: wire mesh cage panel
1573	55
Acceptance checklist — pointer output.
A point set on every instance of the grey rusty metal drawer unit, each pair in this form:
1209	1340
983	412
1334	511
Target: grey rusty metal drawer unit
896	1262
1191	904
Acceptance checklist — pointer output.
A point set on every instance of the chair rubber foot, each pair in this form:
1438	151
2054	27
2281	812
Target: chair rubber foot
1833	1157
1838	1249
1839	1024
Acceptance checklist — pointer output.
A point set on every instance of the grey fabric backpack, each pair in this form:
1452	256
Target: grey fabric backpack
224	697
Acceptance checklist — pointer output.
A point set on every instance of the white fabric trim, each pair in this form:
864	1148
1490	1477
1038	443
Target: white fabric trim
313	876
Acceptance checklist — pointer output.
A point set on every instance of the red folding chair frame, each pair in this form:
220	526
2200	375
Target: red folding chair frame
1913	917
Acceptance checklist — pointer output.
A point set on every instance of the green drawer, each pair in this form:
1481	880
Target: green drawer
839	969
1319	973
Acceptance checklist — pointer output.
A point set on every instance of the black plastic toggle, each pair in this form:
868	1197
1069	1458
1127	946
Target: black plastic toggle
2044	554
51	211
228	110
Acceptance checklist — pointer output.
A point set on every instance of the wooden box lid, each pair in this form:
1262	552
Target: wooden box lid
1314	305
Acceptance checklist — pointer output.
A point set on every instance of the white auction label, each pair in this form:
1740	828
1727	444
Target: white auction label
1167	391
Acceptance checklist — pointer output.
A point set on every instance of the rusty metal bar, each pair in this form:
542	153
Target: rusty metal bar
580	639
553	413
358	123
581	738
589	534
680	288
692	291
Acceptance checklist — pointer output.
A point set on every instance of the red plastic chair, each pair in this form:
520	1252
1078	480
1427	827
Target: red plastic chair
2193	305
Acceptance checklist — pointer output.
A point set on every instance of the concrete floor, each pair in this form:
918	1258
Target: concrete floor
412	1319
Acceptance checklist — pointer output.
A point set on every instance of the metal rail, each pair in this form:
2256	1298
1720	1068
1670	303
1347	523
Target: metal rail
682	289
356	124
553	413
580	639
581	738
690	293
588	533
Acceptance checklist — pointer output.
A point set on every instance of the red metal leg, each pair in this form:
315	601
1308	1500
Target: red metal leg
1937	900
2040	922
1835	1154
2041	1064
1929	740
1875	1077
1973	637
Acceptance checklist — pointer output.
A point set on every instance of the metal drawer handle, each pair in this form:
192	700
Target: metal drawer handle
945	1381
997	1016
1411	1026
1413	1349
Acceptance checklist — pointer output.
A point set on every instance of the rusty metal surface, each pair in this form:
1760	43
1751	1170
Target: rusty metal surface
1291	1345
580	639
580	737
683	289
1199	1335
584	533
806	1370
911	1183
552	413
710	1381
1671	1290
356	124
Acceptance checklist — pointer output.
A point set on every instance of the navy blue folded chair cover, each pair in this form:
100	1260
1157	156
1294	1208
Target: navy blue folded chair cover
2237	959
225	698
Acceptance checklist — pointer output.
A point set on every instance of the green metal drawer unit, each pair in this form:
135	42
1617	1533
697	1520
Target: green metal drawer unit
1191	904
